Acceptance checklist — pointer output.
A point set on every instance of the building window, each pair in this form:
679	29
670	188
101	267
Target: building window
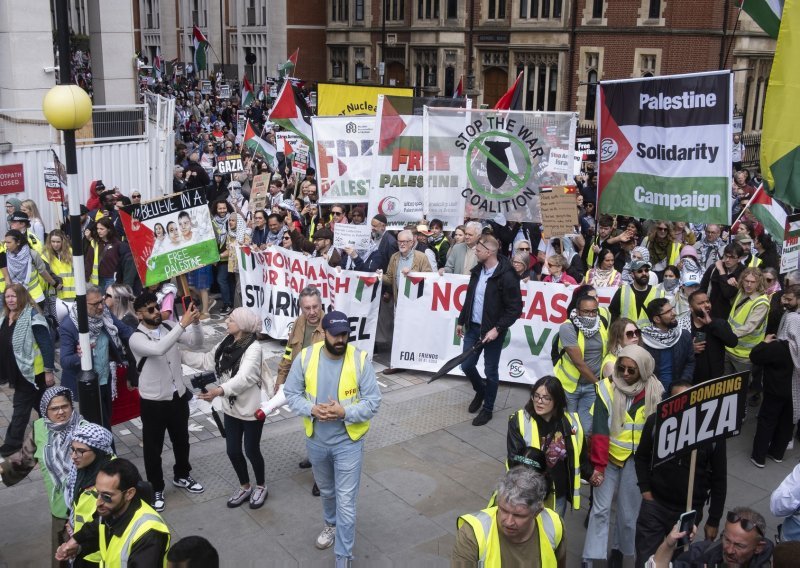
395	9
597	9
362	72
427	9
541	72
654	10
648	65
340	10
591	95
359	15
539	9
339	66
449	81
452	9
426	68
497	10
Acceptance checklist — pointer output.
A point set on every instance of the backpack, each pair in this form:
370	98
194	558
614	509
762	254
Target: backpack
555	353
134	368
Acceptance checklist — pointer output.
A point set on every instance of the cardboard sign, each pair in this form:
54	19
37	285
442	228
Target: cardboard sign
170	236
559	210
710	411
230	164
12	179
259	192
205	87
354	236
224	91
790	257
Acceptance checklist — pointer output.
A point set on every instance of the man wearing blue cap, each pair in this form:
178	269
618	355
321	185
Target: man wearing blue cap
332	386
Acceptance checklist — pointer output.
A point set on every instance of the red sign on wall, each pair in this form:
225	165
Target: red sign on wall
12	179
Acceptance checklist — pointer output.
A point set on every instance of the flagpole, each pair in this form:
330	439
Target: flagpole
746	207
733	36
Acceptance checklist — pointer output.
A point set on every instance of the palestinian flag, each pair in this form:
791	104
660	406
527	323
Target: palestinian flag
287	68
158	64
291	112
258	145
459	92
200	50
766	13
780	143
512	100
414	287
367	284
248	95
769	212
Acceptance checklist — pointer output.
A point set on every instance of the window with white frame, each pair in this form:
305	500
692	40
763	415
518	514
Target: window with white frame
540	9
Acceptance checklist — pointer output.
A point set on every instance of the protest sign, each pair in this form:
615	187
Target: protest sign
225	91
344	157
271	282
438	300
502	158
170	236
54	183
230	164
354	236
353	100
559	208
401	188
665	147
790	257
705	413
259	192
584	146
12	179
294	149
205	87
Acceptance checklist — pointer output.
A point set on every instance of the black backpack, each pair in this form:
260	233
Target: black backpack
555	353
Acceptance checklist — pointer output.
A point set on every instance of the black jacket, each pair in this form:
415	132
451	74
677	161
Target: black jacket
722	293
502	301
709	553
710	363
776	359
669	481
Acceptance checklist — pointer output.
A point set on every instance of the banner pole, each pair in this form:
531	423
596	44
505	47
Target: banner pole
760	187
690	492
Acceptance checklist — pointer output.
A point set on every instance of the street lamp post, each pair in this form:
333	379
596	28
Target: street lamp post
68	108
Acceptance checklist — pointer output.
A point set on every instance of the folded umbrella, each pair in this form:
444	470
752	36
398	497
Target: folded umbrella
455	362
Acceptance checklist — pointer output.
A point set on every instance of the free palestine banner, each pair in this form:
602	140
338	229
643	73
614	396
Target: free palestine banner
344	157
665	147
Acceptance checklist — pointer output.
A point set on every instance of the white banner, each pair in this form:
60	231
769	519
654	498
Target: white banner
271	282
437	300
344	157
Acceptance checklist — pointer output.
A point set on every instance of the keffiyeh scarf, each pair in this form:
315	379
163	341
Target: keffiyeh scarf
660	339
57	451
19	265
97	438
587	326
96	326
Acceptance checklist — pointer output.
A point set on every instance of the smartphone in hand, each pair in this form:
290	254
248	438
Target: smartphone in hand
186	302
686	524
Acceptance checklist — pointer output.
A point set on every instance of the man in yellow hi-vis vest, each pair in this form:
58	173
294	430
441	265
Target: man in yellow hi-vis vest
131	532
519	531
332	385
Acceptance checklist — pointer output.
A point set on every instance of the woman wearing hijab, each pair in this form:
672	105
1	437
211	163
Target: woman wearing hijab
603	273
48	444
90	450
236	361
624	401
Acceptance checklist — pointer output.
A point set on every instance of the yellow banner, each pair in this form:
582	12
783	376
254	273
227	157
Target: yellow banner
352	100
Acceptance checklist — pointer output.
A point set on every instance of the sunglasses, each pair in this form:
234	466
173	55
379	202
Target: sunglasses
623	370
642	270
746	524
136	196
149	309
105	497
523	248
630	334
337	213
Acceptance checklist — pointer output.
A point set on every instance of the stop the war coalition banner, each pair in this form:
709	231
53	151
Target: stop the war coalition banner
170	236
271	282
344	157
665	147
437	300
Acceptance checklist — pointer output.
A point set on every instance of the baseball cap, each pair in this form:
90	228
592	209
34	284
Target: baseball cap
336	323
691	279
20	216
639	264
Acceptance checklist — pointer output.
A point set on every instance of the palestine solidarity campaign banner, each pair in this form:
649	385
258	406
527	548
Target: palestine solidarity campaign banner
271	282
170	236
665	147
437	301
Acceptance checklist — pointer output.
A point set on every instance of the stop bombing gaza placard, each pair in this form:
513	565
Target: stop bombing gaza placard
665	147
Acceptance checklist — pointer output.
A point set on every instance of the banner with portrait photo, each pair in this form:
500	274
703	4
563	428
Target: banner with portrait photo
437	300
271	282
170	236
344	157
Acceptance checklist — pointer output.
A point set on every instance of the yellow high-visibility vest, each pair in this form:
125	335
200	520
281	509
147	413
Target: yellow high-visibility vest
737	318
565	369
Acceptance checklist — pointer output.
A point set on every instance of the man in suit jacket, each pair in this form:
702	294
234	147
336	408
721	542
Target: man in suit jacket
462	256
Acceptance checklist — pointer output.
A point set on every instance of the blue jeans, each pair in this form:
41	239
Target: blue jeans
337	471
581	401
491	360
224	284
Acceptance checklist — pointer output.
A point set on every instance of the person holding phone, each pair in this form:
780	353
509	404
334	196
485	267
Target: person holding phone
710	337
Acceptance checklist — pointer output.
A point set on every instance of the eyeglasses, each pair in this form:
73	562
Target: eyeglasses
149	309
94	304
662	228
732	256
57	409
631	333
746	524
405	241
79	451
623	370
540	398
588	313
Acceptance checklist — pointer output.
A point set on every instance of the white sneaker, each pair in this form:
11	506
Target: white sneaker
158	501
326	537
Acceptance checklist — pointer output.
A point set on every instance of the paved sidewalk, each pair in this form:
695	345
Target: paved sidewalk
425	464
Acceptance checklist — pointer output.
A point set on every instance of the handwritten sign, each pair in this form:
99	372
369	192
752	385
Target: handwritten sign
559	210
355	236
259	192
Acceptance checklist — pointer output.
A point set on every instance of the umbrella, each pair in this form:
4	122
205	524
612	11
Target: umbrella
456	361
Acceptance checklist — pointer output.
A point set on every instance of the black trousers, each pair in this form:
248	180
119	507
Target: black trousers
774	427
26	398
655	521
236	430
158	417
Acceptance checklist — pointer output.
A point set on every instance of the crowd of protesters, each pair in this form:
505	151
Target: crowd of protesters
693	302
